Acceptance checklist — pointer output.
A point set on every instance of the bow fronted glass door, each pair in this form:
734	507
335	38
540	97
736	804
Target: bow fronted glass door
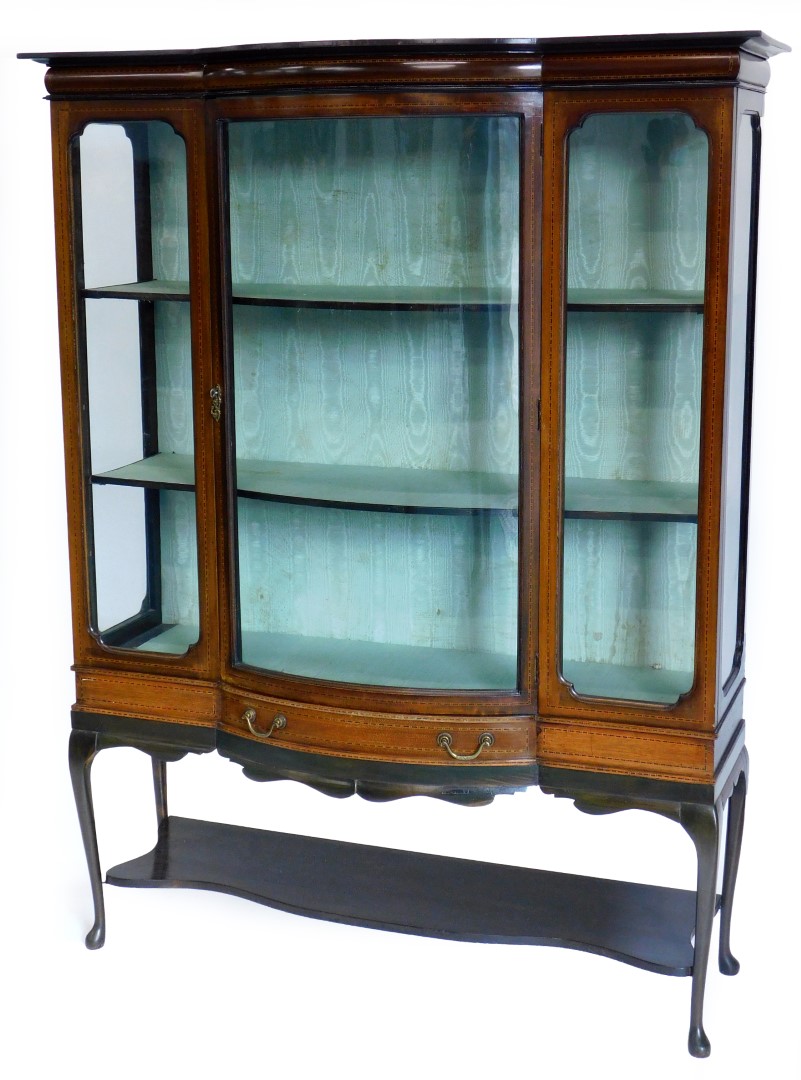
374	343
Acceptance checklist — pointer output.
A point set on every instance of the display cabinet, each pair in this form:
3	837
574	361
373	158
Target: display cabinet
407	414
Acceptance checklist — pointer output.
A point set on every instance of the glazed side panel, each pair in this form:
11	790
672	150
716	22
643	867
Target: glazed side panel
69	119
572	742
739	384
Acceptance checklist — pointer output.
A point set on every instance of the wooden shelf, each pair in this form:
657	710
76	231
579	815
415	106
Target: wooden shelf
627	683
379	663
375	297
648	926
634	300
352	486
630	500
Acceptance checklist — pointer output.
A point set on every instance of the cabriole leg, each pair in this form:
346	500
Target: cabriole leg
82	750
734	838
160	788
703	825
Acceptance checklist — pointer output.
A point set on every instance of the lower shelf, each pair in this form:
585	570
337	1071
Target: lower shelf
411	893
628	683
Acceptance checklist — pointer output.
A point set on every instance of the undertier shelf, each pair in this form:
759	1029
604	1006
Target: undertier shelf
652	684
354	486
407	892
377	297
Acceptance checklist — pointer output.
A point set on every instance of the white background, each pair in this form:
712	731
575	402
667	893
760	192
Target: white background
202	985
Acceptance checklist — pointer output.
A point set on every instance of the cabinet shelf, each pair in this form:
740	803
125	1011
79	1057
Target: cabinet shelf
159	289
376	488
373	297
653	684
635	300
630	500
363	662
354	486
171	472
379	663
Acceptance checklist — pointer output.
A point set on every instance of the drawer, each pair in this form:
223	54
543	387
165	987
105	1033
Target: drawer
379	736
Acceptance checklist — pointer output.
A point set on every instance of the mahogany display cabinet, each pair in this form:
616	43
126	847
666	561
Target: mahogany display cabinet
407	413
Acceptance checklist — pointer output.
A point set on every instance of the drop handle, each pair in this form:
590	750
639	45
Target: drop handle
445	740
249	716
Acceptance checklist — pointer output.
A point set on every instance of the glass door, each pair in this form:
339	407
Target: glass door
374	351
132	265
636	257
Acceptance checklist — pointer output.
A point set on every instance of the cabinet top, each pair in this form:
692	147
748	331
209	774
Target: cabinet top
736	58
753	42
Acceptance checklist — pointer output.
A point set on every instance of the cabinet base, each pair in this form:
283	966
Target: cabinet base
411	893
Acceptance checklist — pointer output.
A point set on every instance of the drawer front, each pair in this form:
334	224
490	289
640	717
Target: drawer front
380	736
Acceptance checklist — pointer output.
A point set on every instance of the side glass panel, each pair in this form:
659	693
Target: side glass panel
133	276
374	284
634	335
739	364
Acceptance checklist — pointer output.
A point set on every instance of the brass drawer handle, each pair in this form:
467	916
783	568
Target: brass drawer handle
486	738
249	715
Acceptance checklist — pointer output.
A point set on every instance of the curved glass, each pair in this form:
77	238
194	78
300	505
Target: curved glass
134	333
637	202
373	290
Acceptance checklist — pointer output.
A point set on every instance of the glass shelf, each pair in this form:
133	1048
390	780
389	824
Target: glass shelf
376	297
651	684
378	663
632	500
635	300
354	486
